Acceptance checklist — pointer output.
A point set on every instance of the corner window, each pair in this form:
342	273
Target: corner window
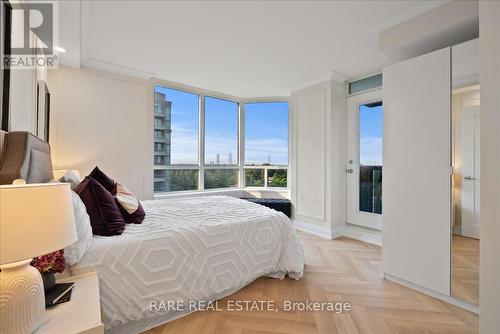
197	141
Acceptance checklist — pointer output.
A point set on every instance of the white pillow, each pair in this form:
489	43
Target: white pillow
74	252
72	177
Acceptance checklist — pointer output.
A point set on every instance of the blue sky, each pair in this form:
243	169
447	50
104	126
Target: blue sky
370	135
266	129
221	131
266	133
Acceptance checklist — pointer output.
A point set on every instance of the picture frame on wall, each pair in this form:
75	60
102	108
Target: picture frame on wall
42	111
5	50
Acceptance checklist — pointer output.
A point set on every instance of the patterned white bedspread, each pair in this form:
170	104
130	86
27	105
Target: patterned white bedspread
201	248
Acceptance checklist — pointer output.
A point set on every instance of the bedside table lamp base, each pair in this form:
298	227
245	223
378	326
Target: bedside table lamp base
22	298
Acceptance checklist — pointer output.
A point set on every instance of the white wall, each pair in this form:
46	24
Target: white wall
318	157
338	149
102	119
311	113
465	64
489	301
22	100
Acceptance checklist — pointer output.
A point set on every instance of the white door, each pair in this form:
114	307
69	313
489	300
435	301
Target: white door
417	171
470	120
364	159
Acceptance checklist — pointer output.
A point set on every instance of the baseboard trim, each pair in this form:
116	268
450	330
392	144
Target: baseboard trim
363	234
357	233
320	231
337	232
447	299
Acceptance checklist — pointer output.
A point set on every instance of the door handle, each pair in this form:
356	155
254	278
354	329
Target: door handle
469	178
350	171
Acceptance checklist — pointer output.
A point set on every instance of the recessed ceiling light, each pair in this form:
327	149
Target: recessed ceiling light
59	49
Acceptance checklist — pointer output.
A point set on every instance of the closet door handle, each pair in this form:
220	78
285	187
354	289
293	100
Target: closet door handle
469	178
350	171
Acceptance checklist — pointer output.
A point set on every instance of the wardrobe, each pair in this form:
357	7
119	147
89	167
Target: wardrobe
418	172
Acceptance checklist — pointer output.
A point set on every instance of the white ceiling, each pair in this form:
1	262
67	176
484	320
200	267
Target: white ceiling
241	48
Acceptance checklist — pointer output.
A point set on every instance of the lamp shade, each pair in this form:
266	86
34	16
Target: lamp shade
35	219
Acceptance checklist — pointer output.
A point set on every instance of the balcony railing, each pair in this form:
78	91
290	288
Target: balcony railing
162	126
162	153
266	176
370	189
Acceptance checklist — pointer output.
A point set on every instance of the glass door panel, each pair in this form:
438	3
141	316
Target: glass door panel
364	167
370	157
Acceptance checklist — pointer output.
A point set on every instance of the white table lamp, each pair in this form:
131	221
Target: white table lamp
35	219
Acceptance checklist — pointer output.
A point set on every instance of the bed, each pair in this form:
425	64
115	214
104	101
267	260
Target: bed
187	249
190	249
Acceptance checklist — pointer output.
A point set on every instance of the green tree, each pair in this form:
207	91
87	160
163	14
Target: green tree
183	179
254	177
277	178
221	178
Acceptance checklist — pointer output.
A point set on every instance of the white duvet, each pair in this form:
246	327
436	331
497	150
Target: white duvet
200	248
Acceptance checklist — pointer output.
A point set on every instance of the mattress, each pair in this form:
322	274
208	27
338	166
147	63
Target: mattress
188	249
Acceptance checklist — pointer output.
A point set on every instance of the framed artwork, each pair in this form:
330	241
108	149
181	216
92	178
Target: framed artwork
5	49
42	111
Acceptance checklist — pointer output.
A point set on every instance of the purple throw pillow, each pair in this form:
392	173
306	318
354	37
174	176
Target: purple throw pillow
105	181
105	216
129	205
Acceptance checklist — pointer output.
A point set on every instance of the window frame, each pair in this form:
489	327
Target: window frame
201	166
266	168
238	135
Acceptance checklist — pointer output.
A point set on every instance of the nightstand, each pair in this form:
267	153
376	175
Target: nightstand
82	314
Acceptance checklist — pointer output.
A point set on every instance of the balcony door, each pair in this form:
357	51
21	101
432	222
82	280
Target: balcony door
364	159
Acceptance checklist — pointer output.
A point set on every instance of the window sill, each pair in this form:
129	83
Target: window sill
190	193
236	192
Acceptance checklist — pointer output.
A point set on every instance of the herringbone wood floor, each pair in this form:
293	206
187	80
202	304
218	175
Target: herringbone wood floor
465	269
337	270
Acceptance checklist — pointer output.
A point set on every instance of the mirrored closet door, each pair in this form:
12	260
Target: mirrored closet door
466	118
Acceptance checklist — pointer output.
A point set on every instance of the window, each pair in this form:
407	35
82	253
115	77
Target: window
175	180
221	132
221	178
365	84
186	159
221	143
266	144
254	177
276	178
176	126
